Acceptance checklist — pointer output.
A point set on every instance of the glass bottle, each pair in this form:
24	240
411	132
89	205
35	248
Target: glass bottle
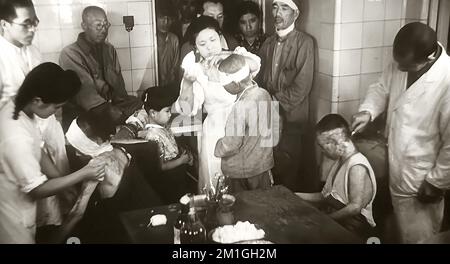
182	218
192	231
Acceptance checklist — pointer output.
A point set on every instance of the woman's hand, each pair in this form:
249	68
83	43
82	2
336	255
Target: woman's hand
95	170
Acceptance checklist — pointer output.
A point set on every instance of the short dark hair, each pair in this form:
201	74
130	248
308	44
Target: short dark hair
49	82
165	8
331	122
417	40
89	9
200	23
203	2
96	125
158	97
249	7
8	8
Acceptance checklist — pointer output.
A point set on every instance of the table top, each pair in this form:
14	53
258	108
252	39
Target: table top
284	217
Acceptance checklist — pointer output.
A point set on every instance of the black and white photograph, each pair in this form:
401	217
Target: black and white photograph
224	122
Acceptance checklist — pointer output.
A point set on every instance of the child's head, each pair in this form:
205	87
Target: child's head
333	133
96	129
234	74
158	103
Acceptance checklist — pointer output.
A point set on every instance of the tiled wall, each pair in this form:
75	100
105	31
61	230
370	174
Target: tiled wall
60	25
354	39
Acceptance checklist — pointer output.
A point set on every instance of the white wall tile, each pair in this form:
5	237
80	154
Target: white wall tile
349	88
373	34
141	12
50	40
373	10
348	109
35	39
142	79
326	40
349	62
118	37
124	58
391	28
128	81
351	35
141	36
48	16
69	35
326	61
70	16
115	12
393	9
51	57
366	81
142	58
372	59
327	9
324	86
387	56
352	11
323	108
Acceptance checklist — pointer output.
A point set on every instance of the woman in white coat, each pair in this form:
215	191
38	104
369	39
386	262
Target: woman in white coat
199	90
415	92
27	173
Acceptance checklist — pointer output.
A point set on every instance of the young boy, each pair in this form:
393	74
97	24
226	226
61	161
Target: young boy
150	124
246	148
350	187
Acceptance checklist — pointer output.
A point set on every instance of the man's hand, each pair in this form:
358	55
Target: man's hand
429	194
360	121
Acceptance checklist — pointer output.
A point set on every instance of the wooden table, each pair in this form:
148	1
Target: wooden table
284	217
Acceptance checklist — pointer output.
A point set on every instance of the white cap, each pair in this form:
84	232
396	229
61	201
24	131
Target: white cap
290	3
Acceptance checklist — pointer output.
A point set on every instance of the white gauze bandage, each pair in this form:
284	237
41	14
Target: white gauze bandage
83	144
227	78
290	3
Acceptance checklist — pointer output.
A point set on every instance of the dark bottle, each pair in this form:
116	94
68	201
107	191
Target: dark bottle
192	231
182	218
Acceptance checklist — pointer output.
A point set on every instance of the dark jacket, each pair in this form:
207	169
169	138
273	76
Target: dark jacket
293	84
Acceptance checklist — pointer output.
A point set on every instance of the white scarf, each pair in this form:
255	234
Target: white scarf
83	144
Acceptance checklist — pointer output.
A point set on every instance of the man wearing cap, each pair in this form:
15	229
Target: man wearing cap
414	90
287	73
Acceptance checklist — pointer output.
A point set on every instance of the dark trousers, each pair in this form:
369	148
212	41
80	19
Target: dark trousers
287	156
261	181
295	159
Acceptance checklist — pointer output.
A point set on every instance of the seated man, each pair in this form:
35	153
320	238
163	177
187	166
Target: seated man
350	186
96	63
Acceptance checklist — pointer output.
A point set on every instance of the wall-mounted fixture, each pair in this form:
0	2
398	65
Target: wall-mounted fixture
129	22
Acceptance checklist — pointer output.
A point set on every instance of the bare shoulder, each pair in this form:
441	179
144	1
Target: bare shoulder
358	170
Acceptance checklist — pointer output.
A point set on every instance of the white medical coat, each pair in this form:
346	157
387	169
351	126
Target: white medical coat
417	125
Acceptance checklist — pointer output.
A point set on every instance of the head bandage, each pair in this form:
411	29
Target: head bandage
290	3
227	78
76	137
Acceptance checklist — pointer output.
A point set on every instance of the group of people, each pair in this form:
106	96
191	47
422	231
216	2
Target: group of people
252	94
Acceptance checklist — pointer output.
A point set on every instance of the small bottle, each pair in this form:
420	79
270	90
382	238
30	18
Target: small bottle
182	217
192	231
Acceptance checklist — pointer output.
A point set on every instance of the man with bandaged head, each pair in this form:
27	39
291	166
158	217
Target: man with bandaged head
246	150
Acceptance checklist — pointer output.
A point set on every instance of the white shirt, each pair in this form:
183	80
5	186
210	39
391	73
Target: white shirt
15	63
20	173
